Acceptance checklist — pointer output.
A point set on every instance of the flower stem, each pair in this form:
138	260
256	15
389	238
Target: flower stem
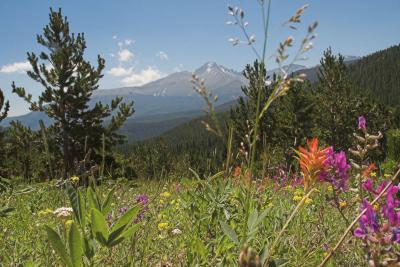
358	218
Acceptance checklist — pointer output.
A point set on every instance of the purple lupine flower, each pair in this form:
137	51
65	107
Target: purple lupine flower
142	199
396	235
337	171
368	222
389	209
123	209
362	123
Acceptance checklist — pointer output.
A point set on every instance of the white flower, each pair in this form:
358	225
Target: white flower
176	231
63	212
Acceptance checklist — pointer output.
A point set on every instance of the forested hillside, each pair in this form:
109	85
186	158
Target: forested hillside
378	75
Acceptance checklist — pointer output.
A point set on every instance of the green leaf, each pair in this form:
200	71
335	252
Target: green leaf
99	226
75	245
82	209
92	199
230	233
125	235
105	208
126	218
58	246
252	220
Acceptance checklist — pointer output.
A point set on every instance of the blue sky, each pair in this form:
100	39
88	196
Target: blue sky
143	40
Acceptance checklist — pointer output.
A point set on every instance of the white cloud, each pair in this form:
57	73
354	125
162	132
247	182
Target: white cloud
129	41
125	55
114	37
162	55
19	67
120	71
144	76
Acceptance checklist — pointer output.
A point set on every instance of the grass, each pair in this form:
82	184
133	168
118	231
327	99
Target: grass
197	210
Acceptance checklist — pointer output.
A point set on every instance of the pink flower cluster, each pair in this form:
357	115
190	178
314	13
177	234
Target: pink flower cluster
381	223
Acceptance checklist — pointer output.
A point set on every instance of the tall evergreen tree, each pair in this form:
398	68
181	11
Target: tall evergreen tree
337	104
4	108
69	82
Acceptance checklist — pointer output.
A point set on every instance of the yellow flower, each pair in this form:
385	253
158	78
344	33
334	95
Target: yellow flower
387	175
297	198
330	188
270	205
298	192
373	174
74	179
163	226
166	194
68	223
308	201
342	203
376	207
45	212
325	254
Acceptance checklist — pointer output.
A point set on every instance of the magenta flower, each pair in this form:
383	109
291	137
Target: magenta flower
368	222
337	171
392	204
362	123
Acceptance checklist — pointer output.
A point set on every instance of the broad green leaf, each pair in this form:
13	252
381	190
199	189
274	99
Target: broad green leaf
125	235
252	220
105	208
99	226
230	233
73	199
92	199
75	245
82	209
58	246
126	218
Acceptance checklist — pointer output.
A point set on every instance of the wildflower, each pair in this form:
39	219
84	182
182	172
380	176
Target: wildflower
176	231
297	198
74	179
386	175
373	174
68	223
342	204
123	209
142	199
163	226
336	172
368	222
308	201
312	161
368	170
45	212
237	171
165	194
63	212
362	123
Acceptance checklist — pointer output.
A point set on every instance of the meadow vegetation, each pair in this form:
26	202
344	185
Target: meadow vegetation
298	173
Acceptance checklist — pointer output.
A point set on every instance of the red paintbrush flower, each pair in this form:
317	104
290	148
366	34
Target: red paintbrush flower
312	161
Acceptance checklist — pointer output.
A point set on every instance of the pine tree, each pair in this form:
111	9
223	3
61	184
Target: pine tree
69	82
338	107
5	106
